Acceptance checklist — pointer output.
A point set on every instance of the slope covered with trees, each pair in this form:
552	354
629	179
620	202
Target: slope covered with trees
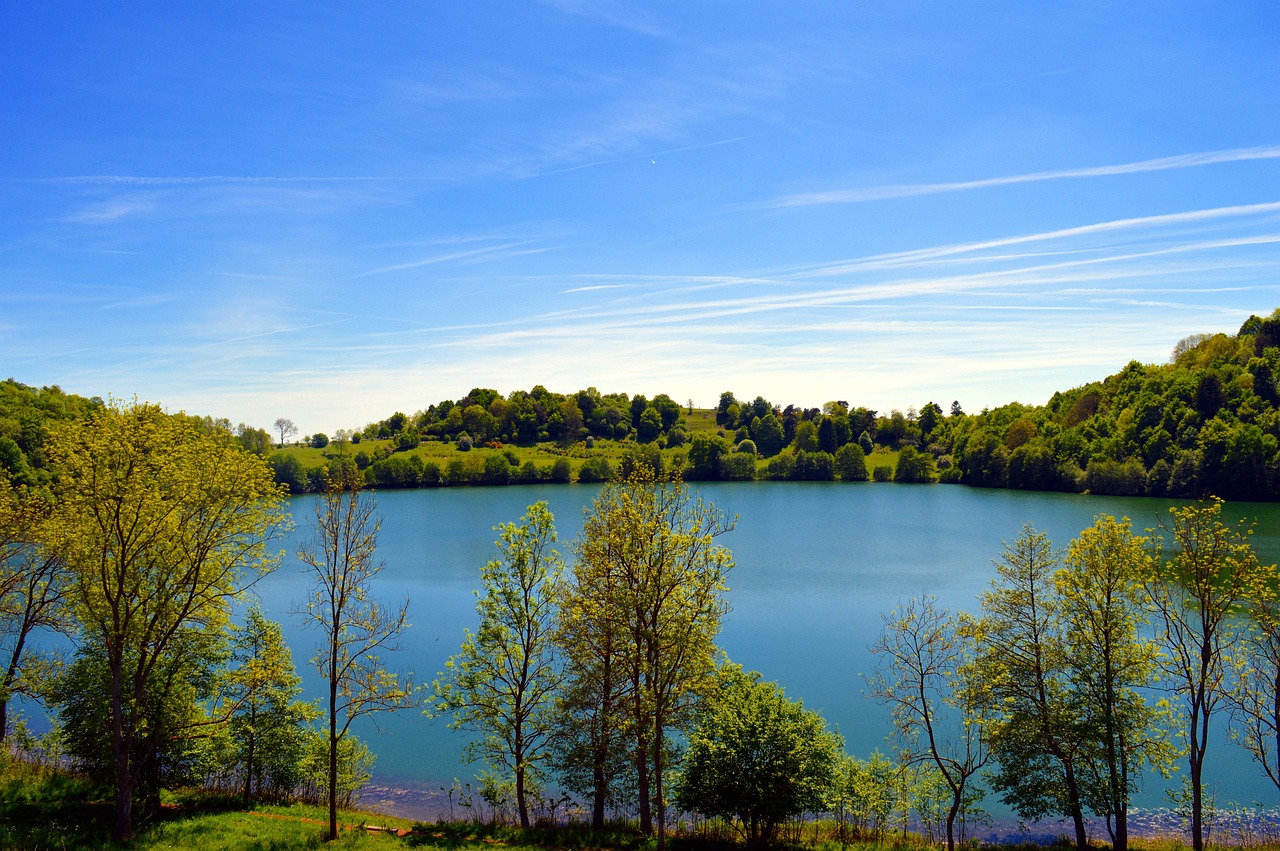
1205	423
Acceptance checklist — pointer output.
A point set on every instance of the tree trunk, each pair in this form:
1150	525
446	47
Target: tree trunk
333	757
657	780
120	746
521	804
1077	811
248	773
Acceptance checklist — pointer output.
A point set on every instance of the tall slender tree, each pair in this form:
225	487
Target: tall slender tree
355	627
919	675
1200	592
162	522
269	725
1105	615
1036	739
503	682
668	600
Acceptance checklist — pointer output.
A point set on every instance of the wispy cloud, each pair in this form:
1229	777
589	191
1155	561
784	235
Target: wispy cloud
881	193
488	252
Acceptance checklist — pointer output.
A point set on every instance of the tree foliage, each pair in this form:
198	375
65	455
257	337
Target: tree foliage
647	554
756	756
502	683
161	521
1200	593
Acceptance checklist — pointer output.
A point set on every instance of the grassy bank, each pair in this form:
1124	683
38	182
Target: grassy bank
44	809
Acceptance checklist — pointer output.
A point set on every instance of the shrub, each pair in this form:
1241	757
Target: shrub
882	473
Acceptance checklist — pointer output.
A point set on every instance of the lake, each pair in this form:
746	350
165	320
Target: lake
816	566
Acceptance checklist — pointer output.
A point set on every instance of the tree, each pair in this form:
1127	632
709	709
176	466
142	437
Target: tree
706	452
768	434
591	711
159	520
1198	593
851	463
806	439
503	682
1255	694
286	428
355	628
268	724
665	597
918	674
756	756
33	590
174	715
1021	667
1105	617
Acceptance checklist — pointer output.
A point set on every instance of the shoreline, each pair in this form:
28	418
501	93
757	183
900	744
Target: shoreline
1234	827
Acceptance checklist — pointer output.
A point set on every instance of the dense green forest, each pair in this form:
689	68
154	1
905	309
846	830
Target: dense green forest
1206	423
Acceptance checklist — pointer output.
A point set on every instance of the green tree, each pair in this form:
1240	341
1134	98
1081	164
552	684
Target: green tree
591	735
173	715
706	452
1199	593
914	466
921	657
502	683
851	463
806	439
768	434
1032	728
756	756
667	599
827	439
1105	617
160	521
268	723
355	628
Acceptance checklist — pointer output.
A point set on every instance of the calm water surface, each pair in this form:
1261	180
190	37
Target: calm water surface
816	566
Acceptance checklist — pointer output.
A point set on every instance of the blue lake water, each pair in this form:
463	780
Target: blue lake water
816	566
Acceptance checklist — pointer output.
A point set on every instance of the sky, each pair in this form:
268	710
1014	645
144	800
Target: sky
332	212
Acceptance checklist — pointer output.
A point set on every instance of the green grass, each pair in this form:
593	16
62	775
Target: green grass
41	809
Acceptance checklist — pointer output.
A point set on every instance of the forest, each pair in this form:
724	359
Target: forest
1204	424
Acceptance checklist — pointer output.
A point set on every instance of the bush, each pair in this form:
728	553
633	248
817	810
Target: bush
738	467
851	463
780	467
562	471
882	473
747	446
813	467
464	442
597	469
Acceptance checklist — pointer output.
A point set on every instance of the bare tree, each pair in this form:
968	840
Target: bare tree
355	627
919	675
286	428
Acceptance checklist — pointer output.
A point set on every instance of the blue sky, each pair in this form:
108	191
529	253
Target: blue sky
330	214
